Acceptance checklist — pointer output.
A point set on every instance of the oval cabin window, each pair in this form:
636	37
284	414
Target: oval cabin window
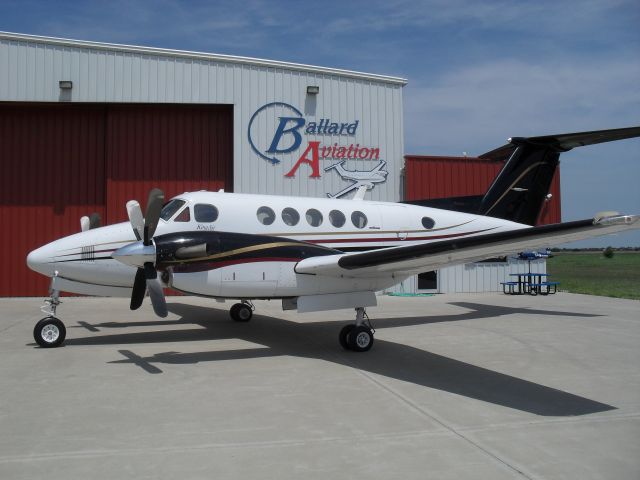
359	219
314	217
290	216
265	215
337	218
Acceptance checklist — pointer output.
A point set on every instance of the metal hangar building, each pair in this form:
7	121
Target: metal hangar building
86	126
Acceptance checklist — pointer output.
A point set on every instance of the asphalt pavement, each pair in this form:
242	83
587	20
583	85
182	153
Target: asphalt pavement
484	386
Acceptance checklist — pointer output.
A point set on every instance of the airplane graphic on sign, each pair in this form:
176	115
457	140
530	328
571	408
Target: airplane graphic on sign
367	178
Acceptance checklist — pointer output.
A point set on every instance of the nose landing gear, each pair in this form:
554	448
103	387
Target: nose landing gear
358	336
50	332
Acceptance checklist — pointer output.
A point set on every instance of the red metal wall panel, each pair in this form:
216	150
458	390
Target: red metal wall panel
60	162
428	177
177	148
52	163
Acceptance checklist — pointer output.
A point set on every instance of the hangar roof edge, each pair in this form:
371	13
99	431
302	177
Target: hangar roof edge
202	56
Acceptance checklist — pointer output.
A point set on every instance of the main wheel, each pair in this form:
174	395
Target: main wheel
360	339
344	335
49	332
241	312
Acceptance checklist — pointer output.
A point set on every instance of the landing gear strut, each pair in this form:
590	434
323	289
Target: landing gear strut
357	336
50	332
242	312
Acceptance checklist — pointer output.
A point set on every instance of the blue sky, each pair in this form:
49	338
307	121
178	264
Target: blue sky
479	72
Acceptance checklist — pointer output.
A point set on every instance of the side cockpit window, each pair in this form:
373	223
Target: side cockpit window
205	213
170	209
183	216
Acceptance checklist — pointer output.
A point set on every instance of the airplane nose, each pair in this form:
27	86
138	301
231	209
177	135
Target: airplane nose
42	260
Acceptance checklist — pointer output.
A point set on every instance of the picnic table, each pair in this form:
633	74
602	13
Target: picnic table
531	283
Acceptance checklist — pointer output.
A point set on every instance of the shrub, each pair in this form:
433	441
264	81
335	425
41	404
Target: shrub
608	252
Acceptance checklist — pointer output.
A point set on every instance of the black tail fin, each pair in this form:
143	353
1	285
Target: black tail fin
519	190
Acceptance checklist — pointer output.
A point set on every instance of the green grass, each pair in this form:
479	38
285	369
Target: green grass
593	274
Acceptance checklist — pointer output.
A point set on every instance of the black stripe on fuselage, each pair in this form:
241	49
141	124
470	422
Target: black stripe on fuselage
409	252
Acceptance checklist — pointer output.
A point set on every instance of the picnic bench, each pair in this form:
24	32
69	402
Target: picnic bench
531	283
543	288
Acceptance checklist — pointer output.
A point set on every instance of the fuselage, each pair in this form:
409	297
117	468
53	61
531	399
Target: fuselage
342	225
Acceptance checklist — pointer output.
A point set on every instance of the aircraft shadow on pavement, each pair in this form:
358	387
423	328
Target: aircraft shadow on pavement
319	340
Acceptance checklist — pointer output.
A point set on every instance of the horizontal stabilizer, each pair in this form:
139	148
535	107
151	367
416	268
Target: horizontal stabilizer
566	141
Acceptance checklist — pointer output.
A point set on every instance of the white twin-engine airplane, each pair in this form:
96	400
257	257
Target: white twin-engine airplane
314	254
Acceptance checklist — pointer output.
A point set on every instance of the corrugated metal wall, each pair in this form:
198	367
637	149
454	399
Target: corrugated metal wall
439	177
30	69
52	174
474	277
180	148
60	162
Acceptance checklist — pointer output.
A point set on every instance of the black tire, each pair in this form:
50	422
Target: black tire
233	311
241	312
360	339
49	332
344	335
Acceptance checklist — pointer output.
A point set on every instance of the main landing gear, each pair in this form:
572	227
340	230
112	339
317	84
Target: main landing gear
357	336
50	332
242	312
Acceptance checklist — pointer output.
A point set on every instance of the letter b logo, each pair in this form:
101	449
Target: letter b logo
284	129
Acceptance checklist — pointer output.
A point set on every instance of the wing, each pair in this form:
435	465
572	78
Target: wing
416	258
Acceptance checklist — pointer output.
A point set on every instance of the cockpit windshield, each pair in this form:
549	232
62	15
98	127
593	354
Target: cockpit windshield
171	208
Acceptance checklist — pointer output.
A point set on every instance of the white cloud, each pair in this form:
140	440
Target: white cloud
475	109
471	106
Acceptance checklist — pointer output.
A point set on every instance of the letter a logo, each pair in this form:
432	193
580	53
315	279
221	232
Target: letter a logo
313	161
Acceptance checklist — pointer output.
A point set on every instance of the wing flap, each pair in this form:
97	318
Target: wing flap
423	257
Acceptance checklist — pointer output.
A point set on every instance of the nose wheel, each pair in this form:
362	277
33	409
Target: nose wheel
358	336
49	332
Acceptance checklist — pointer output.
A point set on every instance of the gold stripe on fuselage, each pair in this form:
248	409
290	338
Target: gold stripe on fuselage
238	251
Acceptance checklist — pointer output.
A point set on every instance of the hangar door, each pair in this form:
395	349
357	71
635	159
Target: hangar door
60	162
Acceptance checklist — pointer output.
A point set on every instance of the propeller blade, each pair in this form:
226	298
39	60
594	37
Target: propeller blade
157	297
135	218
84	224
154	207
94	220
139	288
149	271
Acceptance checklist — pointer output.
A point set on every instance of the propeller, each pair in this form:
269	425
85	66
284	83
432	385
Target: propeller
90	222
94	220
143	254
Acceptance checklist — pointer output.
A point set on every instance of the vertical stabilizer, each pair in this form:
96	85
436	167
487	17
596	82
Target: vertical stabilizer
519	191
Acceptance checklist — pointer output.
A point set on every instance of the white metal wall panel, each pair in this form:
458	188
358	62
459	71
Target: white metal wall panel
483	277
473	277
30	68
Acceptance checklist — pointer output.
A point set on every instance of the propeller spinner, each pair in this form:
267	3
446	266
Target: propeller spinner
142	254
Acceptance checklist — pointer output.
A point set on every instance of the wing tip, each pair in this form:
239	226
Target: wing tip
614	218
